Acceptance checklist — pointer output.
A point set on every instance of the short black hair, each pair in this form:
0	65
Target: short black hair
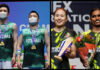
34	12
5	5
94	9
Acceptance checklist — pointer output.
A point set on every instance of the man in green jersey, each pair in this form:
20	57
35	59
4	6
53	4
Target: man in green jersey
8	39
94	32
58	34
34	38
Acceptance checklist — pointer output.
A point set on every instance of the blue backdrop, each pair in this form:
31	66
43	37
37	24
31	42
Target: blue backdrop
19	12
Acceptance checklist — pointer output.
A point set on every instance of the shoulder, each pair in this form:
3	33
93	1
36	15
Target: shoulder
12	23
86	32
41	29
72	32
52	29
25	29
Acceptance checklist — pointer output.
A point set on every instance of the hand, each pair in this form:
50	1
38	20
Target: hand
13	61
85	64
47	65
68	50
19	65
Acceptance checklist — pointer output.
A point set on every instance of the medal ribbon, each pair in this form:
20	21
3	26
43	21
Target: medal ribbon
2	34
34	37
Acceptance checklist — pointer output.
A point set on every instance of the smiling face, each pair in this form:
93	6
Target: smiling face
95	18
60	17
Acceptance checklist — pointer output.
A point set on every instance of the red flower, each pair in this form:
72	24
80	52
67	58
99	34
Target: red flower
78	39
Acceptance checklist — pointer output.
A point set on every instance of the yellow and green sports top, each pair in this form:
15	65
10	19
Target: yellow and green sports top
56	40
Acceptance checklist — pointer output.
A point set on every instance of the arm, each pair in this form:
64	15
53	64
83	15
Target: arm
20	40
72	53
47	41
15	43
85	63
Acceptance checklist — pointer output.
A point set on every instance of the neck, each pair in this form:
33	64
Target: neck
96	29
3	21
33	27
59	29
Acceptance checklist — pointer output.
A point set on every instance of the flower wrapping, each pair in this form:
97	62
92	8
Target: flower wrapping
86	47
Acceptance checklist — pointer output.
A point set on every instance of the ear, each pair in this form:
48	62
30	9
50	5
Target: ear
38	20
8	14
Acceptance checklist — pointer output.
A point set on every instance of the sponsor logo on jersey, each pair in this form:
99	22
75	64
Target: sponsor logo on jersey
55	49
30	40
6	36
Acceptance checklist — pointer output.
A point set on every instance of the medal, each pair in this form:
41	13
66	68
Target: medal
33	39
33	47
2	35
2	43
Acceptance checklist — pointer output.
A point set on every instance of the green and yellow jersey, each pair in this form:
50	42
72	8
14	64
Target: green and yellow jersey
33	57
56	40
6	51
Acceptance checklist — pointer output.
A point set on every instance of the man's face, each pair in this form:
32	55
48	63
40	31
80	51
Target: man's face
4	9
95	18
33	19
60	18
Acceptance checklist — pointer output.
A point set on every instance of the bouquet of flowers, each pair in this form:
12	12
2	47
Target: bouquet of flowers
86	47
